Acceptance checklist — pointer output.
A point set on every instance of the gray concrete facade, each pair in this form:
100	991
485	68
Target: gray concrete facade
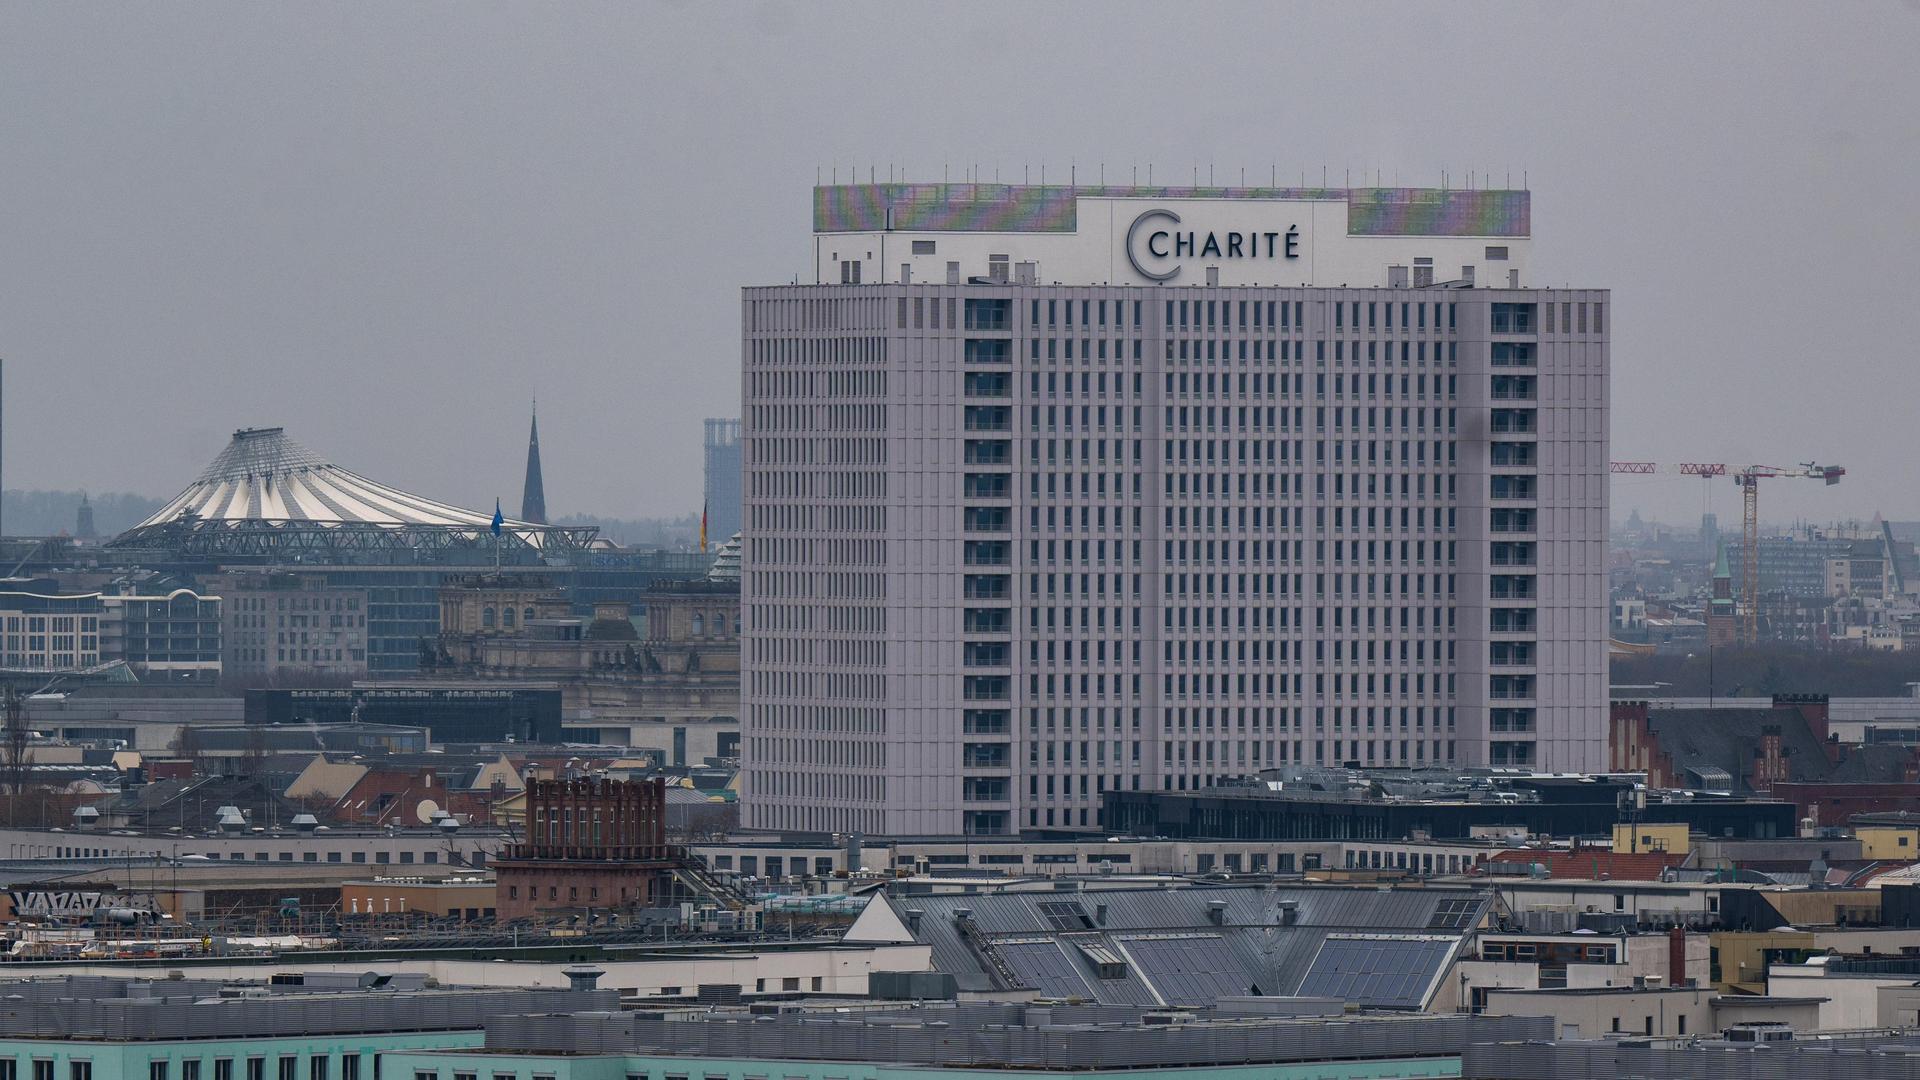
1008	546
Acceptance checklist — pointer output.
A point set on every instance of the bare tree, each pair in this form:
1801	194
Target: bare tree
188	748
254	761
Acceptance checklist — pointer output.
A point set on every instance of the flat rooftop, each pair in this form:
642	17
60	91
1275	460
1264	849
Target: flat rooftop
1077	1037
86	1007
1837	1055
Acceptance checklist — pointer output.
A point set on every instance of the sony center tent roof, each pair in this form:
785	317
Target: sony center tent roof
267	495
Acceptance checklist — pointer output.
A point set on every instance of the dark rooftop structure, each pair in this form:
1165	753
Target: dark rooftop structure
105	1008
1745	751
453	713
1745	1051
313	739
1555	806
1076	1038
1189	945
196	803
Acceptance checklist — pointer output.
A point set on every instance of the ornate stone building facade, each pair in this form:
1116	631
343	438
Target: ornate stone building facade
673	686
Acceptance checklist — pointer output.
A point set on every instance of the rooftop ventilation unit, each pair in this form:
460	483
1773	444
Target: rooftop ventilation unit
582	978
1759	1031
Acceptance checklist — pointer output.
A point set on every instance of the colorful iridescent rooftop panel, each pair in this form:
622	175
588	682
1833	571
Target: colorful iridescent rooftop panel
1371	211
1438	212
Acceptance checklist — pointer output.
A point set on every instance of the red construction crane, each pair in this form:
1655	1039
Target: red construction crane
1748	477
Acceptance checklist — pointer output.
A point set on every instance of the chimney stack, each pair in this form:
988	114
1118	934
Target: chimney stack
1677	956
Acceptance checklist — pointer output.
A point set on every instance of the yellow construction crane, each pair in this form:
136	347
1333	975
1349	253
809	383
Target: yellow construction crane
1748	477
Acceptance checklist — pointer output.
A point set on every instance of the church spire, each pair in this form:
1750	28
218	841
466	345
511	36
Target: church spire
533	498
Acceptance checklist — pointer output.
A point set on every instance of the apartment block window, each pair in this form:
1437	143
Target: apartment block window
190	1069
42	1069
256	1068
80	1070
1514	353
350	1067
289	1067
316	1068
1513	318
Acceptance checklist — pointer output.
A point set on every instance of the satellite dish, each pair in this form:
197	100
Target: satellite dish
425	811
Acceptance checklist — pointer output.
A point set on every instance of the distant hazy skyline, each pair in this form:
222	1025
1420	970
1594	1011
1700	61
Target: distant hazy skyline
387	227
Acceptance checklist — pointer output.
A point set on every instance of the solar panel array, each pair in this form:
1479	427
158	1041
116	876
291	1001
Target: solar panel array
1380	971
1064	915
1455	914
1189	969
1043	966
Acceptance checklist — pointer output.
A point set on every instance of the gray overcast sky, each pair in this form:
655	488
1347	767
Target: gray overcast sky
385	226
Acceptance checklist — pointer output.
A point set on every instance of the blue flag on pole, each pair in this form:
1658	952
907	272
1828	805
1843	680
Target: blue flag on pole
498	518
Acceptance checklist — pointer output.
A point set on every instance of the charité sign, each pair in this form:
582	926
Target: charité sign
1156	244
